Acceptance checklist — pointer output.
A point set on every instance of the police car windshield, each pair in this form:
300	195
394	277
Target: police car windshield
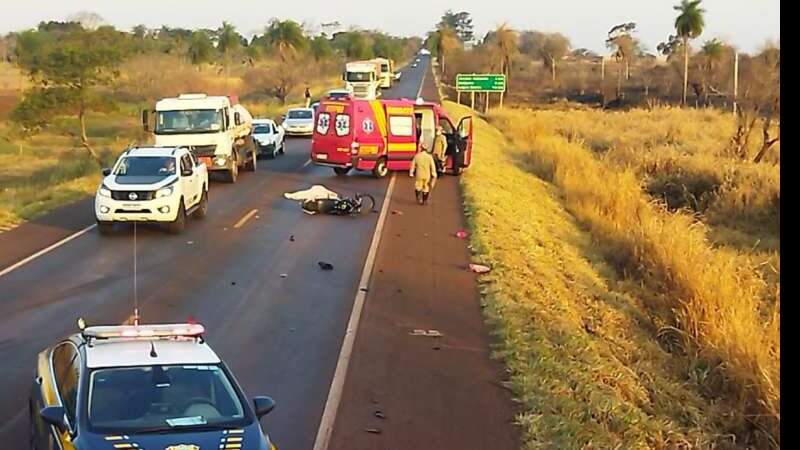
300	114
146	166
155	398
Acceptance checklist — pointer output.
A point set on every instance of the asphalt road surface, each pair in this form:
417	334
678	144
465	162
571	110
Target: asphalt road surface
280	336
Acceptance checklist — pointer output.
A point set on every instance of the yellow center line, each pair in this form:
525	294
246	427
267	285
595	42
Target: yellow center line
245	218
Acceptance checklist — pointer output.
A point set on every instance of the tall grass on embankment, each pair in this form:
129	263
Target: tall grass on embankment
635	334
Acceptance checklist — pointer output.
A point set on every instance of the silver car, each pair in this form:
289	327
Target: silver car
299	122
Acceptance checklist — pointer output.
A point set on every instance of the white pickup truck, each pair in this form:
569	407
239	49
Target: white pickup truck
217	129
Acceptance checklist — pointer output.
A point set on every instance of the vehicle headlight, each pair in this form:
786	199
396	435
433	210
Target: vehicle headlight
165	192
104	191
219	161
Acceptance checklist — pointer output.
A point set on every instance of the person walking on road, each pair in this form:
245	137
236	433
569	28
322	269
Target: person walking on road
439	147
423	170
308	97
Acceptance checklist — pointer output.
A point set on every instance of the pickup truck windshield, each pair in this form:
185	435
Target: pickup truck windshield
262	129
359	76
160	398
188	121
300	114
146	166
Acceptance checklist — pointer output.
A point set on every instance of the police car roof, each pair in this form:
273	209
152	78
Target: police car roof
153	151
136	352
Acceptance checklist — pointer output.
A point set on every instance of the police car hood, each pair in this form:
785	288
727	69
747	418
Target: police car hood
248	438
138	183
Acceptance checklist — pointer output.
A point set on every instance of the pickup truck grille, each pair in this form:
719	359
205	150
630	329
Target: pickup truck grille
204	150
126	195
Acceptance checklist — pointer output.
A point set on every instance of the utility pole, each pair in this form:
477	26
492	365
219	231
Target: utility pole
472	100
735	79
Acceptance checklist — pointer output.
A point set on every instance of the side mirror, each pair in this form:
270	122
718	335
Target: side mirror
263	405
237	118
146	120
106	171
187	172
55	416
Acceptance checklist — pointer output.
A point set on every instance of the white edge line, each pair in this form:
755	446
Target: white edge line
305	165
337	384
41	252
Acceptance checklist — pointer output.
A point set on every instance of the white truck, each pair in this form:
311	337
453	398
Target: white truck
217	129
386	72
362	78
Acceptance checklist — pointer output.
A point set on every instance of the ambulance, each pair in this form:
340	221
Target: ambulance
383	135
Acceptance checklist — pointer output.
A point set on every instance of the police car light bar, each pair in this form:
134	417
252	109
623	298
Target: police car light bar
145	331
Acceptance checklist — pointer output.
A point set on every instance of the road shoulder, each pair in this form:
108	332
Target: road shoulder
406	390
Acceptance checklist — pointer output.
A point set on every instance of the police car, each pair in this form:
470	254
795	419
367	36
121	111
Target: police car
149	387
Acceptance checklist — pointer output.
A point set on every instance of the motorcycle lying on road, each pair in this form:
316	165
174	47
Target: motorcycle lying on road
345	206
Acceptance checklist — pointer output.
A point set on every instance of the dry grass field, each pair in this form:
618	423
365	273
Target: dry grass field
628	321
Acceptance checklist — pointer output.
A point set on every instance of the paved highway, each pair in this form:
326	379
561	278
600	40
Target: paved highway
280	336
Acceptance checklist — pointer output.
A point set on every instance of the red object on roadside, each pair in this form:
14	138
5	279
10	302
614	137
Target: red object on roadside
479	268
461	234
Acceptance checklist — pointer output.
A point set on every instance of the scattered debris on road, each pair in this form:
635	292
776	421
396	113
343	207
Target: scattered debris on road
363	289
283	275
461	234
429	333
233	283
189	242
373	430
397	212
291	238
325	266
479	268
379	414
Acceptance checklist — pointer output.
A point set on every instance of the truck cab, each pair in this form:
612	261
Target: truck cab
362	78
217	129
386	72
384	135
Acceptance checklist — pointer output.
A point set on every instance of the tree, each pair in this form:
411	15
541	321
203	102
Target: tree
688	25
461	23
201	49
139	31
442	41
286	37
65	70
321	48
505	39
352	44
229	41
624	45
547	47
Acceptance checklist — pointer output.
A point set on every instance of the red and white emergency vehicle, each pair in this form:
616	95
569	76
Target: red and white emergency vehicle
383	135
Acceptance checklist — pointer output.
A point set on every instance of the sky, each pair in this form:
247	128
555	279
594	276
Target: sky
746	24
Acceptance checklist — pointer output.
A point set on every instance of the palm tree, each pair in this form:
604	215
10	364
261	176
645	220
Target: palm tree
713	52
506	41
445	40
287	37
228	41
688	25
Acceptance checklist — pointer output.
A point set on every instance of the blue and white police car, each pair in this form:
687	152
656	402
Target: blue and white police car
141	387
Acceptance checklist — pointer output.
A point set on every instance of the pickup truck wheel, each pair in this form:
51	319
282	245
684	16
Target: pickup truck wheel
105	228
202	208
252	164
380	170
341	171
179	224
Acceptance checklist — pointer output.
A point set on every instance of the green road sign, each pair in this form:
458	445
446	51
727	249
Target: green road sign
487	82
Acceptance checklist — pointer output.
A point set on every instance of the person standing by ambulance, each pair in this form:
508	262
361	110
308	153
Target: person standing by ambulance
439	147
423	170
